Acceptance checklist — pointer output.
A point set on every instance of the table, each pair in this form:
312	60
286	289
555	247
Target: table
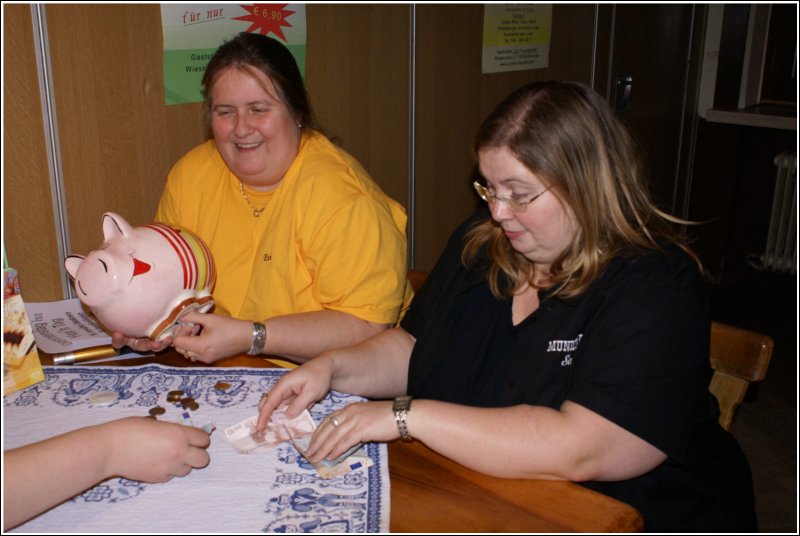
430	493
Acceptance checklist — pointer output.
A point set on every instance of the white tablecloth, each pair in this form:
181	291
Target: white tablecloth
271	490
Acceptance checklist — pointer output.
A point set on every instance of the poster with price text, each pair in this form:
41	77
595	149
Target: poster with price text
516	37
193	32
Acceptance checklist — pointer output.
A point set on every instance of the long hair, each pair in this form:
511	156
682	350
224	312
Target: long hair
254	51
567	135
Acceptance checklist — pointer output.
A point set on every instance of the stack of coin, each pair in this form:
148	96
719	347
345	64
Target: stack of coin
186	402
189	403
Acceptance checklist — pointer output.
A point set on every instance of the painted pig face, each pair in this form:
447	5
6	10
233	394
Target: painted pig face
141	280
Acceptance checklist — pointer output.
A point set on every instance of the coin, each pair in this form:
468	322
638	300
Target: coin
174	396
189	403
104	398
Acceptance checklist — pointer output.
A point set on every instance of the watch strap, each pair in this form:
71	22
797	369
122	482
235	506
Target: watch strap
401	406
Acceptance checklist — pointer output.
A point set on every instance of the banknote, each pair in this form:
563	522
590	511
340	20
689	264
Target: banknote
300	431
244	438
354	458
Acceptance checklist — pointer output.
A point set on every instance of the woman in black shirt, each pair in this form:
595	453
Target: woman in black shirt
563	334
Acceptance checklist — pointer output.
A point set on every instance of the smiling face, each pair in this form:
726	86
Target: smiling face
547	226
255	131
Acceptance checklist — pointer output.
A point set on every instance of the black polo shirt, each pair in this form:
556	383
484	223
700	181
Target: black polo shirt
633	348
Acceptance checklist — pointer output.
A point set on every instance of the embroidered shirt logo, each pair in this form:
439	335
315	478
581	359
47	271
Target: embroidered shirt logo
565	346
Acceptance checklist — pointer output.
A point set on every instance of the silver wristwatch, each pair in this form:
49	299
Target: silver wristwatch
400	408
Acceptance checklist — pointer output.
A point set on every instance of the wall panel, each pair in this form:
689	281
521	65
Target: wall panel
357	77
453	97
118	138
28	223
652	43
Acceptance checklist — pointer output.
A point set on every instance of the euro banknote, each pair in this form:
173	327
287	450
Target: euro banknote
243	438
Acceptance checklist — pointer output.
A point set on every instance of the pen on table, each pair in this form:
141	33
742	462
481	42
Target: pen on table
87	354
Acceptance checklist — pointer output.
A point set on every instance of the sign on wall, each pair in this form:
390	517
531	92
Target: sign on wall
193	32
516	36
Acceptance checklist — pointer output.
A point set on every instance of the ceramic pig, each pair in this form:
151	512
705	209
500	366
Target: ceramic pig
142	280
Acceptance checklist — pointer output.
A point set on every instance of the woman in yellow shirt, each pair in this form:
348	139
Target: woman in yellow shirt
310	253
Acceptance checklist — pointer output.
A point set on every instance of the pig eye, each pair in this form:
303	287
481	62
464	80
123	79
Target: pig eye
105	267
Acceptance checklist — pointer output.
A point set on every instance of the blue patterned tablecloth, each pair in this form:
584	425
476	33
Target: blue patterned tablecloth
268	490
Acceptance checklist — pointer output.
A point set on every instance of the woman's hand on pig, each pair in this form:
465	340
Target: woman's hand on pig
142	345
218	337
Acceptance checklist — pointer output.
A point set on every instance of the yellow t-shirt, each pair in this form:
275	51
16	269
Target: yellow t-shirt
328	238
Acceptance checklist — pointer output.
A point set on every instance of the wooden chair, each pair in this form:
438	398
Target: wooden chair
738	357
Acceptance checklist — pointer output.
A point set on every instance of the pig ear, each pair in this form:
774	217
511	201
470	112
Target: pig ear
115	225
71	263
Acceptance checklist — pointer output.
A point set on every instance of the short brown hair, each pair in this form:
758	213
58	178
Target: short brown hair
249	50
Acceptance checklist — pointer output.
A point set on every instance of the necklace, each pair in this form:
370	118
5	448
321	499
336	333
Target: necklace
256	211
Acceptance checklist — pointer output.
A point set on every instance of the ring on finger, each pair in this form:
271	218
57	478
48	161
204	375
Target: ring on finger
334	421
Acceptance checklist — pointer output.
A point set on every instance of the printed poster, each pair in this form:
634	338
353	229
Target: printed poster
193	32
516	37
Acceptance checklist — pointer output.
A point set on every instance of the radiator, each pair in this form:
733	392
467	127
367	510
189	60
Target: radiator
780	254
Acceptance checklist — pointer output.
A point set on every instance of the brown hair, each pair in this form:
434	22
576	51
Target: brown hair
249	50
567	135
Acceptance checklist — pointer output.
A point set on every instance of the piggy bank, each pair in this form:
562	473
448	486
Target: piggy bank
142	280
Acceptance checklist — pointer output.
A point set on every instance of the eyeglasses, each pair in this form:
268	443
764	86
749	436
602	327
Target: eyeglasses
515	205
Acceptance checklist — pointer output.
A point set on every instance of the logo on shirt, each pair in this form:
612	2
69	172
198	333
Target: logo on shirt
565	346
267	257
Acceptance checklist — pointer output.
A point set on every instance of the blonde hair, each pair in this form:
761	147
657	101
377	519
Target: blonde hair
567	135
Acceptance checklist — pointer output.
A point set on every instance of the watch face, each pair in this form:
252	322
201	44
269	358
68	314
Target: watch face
401	403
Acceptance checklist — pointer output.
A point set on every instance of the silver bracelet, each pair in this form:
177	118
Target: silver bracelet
259	338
